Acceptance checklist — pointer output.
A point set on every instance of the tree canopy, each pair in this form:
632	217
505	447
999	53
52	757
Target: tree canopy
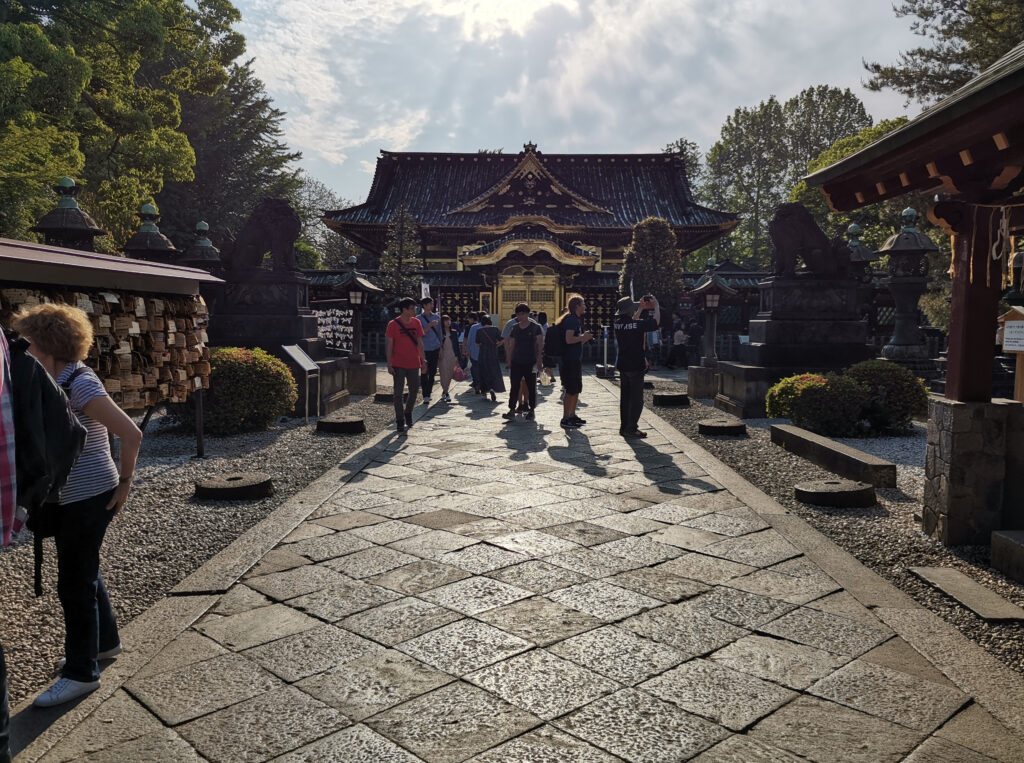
964	37
138	100
653	262
400	258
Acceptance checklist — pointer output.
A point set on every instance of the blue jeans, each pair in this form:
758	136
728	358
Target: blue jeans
89	623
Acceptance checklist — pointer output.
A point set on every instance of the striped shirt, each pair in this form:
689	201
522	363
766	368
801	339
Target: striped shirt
8	475
94	472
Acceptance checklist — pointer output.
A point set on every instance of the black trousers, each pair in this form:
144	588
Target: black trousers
631	400
5	712
427	379
517	372
89	623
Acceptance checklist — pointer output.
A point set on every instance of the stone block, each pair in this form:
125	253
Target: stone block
841	459
1008	553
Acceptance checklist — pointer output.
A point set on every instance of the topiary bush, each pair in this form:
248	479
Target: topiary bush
895	395
249	390
832	408
780	398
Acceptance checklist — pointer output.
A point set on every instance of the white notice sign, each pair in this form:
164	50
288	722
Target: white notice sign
1013	336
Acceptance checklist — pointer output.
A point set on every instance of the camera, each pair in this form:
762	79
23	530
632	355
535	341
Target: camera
648	298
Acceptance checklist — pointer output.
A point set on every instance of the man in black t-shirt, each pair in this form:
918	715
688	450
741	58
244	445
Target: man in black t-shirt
631	323
525	348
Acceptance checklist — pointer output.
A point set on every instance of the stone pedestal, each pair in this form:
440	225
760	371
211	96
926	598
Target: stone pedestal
263	308
701	381
971	447
362	378
805	324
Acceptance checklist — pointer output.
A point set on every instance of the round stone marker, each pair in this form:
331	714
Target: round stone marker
671	397
235	486
341	425
836	493
722	426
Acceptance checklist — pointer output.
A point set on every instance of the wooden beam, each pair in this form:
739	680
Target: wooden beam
975	299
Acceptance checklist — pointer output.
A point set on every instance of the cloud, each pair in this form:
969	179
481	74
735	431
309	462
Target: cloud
571	75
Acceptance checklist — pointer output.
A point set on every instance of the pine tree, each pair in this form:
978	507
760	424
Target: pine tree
653	262
398	261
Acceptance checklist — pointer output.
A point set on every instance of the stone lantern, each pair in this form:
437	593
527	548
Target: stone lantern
148	243
907	280
701	380
201	253
68	225
356	288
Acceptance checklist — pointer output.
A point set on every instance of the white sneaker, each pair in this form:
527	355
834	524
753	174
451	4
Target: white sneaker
107	655
65	690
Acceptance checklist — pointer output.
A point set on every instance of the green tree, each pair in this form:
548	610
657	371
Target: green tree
241	158
692	158
311	200
40	87
399	260
879	221
653	263
762	152
965	37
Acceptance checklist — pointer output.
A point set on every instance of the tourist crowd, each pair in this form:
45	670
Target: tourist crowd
419	345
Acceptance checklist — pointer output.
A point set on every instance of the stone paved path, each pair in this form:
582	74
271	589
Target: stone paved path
511	592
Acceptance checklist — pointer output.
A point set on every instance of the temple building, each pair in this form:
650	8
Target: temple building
498	229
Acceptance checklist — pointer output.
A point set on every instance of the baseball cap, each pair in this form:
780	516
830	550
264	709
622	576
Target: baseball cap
625	305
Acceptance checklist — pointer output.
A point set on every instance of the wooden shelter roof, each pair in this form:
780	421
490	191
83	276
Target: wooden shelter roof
970	144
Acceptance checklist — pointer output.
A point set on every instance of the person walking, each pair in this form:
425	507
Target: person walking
431	323
571	366
488	338
547	361
472	350
679	347
8	499
524	349
631	322
95	491
403	343
446	359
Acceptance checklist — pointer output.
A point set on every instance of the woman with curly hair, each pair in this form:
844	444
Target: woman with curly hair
95	491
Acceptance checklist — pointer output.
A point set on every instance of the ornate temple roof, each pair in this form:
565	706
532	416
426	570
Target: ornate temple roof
563	193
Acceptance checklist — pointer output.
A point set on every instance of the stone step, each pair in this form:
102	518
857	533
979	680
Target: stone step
983	602
842	459
1008	553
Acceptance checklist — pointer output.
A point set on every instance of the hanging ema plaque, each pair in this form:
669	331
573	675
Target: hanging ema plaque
334	319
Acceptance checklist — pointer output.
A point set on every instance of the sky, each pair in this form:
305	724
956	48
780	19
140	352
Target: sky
573	76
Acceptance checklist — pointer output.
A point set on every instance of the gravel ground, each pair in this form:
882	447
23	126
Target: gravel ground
163	534
886	538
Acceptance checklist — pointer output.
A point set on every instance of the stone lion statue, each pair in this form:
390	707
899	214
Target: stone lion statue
272	227
796	236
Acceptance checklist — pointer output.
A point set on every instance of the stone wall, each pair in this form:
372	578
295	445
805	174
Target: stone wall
966	468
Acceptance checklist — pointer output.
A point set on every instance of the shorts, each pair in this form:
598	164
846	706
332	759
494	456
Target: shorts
572	377
550	361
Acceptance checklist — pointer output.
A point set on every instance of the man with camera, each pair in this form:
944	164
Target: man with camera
632	322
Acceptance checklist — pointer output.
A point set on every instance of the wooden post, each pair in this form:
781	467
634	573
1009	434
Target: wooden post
200	437
1018	379
975	299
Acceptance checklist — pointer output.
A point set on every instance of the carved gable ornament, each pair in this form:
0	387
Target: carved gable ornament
530	186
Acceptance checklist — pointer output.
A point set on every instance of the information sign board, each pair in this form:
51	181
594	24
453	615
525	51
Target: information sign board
1013	336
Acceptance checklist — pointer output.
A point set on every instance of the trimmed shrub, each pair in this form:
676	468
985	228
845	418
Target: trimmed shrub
895	395
249	390
780	398
832	408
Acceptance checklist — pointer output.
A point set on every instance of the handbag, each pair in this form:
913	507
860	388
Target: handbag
459	374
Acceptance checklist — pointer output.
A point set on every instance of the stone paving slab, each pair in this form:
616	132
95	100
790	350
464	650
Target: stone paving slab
984	602
476	590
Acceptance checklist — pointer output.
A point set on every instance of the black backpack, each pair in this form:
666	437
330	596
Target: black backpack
48	439
554	341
